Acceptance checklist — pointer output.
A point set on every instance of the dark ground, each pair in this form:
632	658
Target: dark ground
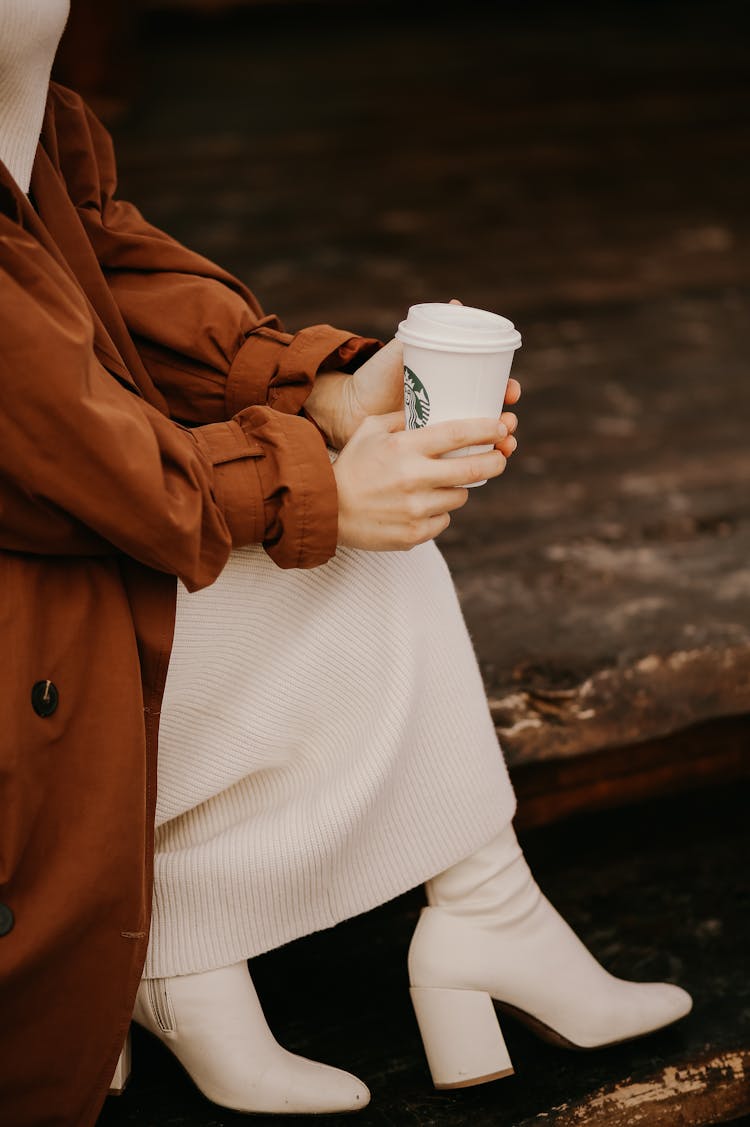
658	891
585	171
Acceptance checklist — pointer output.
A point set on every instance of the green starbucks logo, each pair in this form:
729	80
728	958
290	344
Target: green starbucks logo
416	401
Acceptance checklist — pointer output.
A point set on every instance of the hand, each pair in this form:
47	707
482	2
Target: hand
508	445
512	394
378	387
339	403
395	491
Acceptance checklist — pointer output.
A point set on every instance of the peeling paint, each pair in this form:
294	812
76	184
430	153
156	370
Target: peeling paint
653	697
710	1089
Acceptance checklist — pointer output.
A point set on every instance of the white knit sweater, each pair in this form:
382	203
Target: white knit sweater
30	32
308	781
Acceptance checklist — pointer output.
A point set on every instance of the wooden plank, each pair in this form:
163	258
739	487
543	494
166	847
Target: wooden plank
700	755
712	1088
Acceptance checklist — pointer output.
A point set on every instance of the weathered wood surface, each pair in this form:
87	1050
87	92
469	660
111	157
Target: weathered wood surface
610	602
586	176
714	1088
692	758
606	578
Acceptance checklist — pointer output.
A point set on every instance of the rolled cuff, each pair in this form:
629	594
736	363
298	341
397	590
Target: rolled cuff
299	493
279	369
275	485
235	455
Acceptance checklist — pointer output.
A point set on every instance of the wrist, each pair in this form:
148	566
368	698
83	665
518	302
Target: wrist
311	418
326	407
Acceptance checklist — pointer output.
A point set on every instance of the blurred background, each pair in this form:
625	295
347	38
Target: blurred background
585	171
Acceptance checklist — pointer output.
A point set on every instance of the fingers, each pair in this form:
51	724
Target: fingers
512	391
432	528
443	500
439	438
507	446
453	472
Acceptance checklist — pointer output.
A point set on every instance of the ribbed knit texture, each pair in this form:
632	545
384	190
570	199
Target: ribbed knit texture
325	745
30	32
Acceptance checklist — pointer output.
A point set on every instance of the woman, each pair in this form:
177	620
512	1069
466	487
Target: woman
213	531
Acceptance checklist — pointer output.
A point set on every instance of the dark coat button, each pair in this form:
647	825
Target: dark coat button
44	698
7	919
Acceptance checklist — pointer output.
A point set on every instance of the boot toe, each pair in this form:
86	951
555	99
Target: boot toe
654	1005
323	1089
355	1094
672	1001
350	1094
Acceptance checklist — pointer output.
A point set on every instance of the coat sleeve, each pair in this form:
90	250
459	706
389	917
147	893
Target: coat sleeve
204	338
89	467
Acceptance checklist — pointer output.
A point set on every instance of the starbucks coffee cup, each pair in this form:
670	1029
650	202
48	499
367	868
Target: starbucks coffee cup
456	366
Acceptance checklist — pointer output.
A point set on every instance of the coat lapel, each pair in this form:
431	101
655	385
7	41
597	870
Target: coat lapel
57	226
18	207
53	221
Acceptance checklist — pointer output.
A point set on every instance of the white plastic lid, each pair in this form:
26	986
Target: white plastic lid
446	328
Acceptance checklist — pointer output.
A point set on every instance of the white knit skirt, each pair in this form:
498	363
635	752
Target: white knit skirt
325	745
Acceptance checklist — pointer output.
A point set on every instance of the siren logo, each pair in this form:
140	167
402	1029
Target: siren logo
416	401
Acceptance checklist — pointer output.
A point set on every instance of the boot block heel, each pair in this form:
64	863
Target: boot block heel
461	1036
122	1070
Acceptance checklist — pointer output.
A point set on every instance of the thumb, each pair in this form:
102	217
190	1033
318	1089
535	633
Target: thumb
389	354
391	421
455	301
386	421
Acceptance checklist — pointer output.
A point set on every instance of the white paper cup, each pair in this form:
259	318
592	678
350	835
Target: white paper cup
457	361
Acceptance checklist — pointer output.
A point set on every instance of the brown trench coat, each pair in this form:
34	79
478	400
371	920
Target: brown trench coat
150	420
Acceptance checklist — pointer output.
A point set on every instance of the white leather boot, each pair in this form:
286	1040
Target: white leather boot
490	936
214	1025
